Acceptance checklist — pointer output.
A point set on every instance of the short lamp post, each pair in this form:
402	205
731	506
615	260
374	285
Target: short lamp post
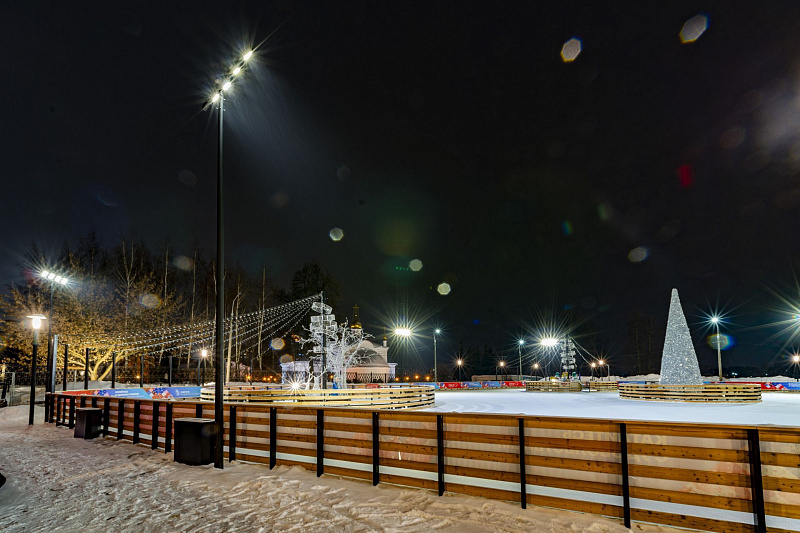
503	367
520	344
36	323
796	361
203	355
715	320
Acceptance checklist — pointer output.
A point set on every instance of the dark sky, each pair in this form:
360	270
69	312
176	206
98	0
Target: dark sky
450	132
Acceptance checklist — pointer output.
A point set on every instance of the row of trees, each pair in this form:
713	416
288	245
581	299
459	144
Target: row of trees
125	287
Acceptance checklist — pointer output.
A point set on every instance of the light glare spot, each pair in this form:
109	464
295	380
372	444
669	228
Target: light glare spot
415	265
183	263
150	301
226	86
215	98
277	344
571	50
638	254
237	70
336	234
248	55
443	289
694	28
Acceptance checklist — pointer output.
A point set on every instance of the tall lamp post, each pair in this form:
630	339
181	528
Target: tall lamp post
36	323
601	362
218	98
536	368
715	320
204	354
520	344
435	366
459	363
796	361
53	279
593	365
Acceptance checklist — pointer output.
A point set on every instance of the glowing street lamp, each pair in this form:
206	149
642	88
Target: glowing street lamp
520	344
460	363
36	323
601	362
218	99
402	332
796	361
437	331
716	320
549	342
53	279
203	355
593	365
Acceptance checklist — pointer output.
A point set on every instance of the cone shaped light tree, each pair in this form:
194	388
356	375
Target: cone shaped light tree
678	360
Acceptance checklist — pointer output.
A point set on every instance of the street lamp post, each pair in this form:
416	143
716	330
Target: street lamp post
715	321
204	354
435	366
593	365
36	323
536	368
53	279
796	361
459	362
219	99
520	344
601	362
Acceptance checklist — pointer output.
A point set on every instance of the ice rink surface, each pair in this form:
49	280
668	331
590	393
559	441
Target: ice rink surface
781	409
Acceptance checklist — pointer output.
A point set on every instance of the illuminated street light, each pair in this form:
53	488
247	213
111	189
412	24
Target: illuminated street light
402	332
520	344
203	355
716	321
54	279
36	323
549	342
435	369
218	98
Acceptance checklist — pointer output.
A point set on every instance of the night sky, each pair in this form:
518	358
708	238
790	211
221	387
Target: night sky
449	132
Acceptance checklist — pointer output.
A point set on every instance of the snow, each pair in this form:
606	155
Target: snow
776	408
58	483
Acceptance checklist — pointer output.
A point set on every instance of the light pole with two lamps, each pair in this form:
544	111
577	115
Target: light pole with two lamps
218	98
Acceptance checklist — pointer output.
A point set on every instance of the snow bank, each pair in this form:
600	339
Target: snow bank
58	483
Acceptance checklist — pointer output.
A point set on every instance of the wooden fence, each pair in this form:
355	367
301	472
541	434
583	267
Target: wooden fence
382	397
699	476
705	393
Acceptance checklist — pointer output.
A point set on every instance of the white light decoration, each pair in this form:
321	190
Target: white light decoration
679	361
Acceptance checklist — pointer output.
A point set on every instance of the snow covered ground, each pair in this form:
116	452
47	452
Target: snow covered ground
777	408
58	483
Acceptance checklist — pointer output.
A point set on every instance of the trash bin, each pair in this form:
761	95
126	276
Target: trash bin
195	440
87	424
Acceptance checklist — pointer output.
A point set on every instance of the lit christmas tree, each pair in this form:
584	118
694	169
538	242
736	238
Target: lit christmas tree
678	360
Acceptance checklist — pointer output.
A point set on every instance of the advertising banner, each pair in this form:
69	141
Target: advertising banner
490	384
161	393
140	394
772	385
513	384
452	385
472	385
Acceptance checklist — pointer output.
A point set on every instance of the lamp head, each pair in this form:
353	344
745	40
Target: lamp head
521	342
502	363
402	332
715	320
601	362
437	331
796	358
204	352
36	321
461	362
550	341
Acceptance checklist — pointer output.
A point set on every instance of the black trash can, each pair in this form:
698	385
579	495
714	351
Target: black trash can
195	440
87	423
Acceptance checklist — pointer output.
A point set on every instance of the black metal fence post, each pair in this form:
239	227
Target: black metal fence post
106	415
376	449
626	489
273	436
523	489
320	442
120	418
440	452
137	411
58	410
154	426
198	410
113	370
86	371
168	429
232	435
72	412
83	402
756	483
64	377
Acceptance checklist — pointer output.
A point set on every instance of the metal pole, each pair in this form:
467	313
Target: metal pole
50	352
719	354
113	370
141	370
169	381
435	366
519	346
86	371
204	370
66	357
198	370
324	345
220	280
33	375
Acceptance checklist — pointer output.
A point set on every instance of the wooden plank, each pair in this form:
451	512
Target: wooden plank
602	509
340	456
780	459
407	448
778	435
573	444
781	484
701	432
688	452
691	522
690	498
691	476
782	509
573	464
349	443
484	492
409	481
395	431
347	472
411	465
480	420
348	428
477	455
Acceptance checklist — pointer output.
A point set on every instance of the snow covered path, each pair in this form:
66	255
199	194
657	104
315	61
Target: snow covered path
777	408
58	483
